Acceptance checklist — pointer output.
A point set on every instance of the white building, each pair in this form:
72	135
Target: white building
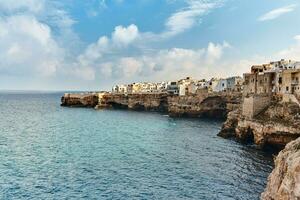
120	89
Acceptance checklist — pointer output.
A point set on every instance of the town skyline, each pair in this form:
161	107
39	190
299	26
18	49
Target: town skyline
78	45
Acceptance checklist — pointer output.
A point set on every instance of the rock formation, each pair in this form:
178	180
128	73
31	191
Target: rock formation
80	100
148	102
277	125
284	181
204	105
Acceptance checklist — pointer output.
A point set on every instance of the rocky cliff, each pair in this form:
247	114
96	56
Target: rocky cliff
204	105
215	105
80	100
284	181
148	102
277	125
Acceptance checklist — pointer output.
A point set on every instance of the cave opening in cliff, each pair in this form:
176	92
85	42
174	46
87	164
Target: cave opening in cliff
119	106
249	138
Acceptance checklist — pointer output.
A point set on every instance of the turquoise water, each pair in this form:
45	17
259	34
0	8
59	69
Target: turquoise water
52	152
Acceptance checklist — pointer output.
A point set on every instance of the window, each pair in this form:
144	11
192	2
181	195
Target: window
280	80
287	88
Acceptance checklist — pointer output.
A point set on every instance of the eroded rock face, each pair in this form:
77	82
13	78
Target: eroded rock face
80	100
149	102
266	133
204	105
229	126
277	125
284	181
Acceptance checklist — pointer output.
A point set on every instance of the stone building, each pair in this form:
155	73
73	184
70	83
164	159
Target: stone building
278	77
119	89
212	84
173	88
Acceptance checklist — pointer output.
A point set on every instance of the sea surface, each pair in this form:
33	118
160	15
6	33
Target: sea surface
53	152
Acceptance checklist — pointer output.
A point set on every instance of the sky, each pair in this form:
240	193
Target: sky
94	44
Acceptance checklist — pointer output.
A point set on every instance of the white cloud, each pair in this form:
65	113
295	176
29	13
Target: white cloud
293	52
273	14
215	51
86	73
125	35
297	38
121	38
34	6
165	64
187	17
28	46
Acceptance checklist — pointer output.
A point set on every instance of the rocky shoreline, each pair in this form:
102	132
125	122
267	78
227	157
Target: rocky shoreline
274	126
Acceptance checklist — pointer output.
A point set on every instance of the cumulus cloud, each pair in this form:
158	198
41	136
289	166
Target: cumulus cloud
120	39
27	46
165	64
125	35
273	14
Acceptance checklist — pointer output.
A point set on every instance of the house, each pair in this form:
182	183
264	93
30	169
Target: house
234	83
211	85
172	88
290	82
279	77
119	89
221	85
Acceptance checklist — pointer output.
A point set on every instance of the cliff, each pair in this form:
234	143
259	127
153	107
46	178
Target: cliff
80	100
277	125
148	102
284	181
216	105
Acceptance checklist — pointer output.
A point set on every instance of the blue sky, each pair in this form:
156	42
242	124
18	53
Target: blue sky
93	44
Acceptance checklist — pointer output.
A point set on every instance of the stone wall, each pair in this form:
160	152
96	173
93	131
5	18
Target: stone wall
254	104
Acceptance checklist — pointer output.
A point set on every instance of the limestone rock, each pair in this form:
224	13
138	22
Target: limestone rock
284	181
277	125
80	100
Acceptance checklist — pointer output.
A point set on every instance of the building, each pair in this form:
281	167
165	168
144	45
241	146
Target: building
280	77
120	89
212	85
172	88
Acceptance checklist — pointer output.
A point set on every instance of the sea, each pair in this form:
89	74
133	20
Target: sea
53	152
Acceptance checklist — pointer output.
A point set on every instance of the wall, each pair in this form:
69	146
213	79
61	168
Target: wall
254	104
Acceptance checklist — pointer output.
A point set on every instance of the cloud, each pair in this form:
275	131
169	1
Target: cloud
165	64
215	51
125	35
273	14
35	6
293	52
27	47
187	17
297	38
